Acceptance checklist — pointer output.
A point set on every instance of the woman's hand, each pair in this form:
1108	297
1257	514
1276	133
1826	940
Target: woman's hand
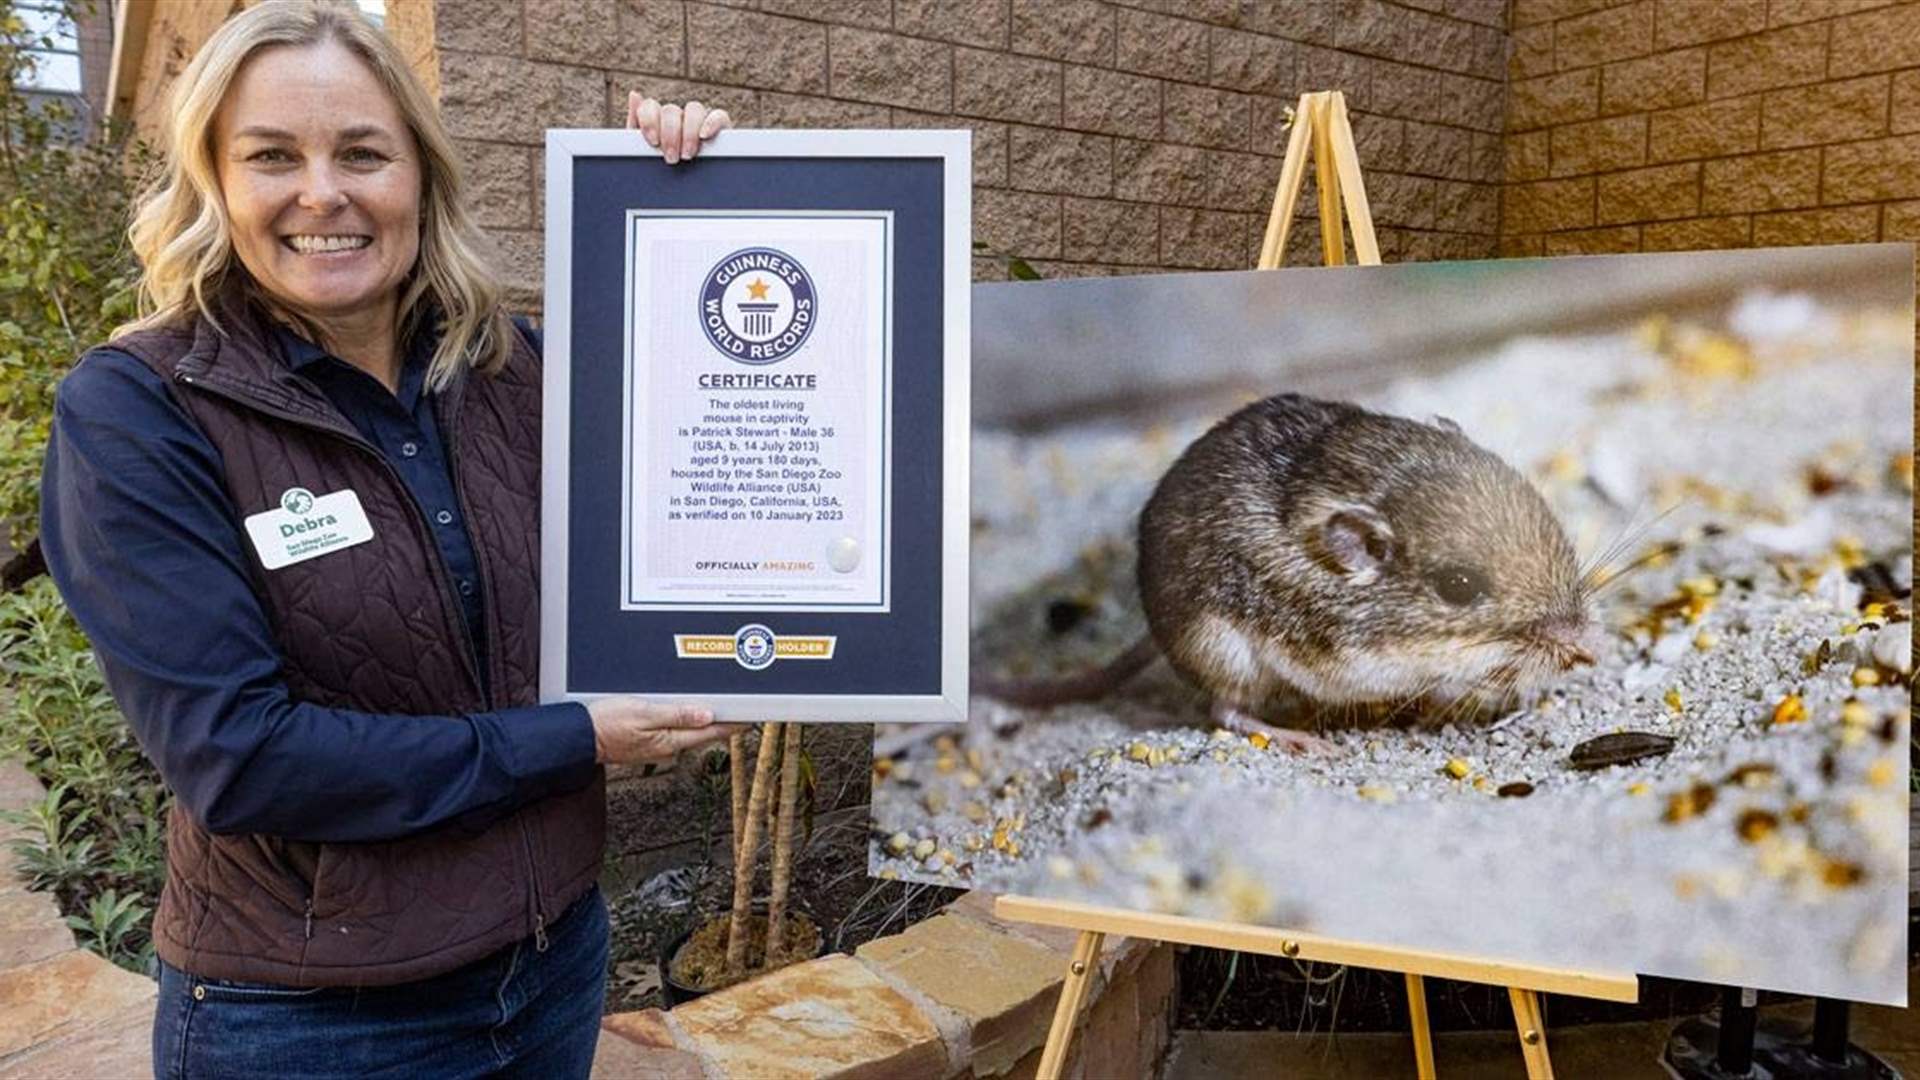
675	130
629	731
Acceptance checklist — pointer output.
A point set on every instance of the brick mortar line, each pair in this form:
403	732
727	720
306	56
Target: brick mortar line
1374	111
1740	155
1707	44
1750	216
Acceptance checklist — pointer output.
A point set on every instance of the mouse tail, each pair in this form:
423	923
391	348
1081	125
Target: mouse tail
1085	686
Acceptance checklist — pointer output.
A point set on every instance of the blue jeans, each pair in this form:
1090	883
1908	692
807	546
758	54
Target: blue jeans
517	1013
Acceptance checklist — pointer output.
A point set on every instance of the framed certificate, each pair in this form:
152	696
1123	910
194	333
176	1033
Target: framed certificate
755	423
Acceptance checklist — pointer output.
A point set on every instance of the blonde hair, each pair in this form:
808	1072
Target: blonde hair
181	235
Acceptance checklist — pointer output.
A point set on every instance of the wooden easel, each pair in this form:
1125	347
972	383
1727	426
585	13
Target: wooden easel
1320	124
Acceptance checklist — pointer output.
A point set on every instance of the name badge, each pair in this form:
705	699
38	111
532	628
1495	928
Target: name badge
307	526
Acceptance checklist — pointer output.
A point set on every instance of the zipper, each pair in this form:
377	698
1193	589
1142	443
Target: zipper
450	607
309	936
533	880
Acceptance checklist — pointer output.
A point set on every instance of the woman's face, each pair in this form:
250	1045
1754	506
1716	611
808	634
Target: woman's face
321	180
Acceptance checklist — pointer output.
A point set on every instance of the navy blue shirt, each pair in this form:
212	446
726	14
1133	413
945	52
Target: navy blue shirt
148	552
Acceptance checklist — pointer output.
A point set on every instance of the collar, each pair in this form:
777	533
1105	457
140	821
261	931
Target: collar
301	354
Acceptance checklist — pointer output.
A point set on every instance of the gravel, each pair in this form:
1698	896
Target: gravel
1766	456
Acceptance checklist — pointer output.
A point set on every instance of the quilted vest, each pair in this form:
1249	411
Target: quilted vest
374	627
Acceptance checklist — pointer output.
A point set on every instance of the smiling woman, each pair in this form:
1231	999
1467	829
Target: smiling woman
295	506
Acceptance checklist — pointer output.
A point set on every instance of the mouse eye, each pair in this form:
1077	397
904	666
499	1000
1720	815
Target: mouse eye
1458	585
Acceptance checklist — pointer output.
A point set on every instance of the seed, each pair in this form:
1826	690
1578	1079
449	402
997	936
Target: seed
975	812
1638	788
1757	774
1790	710
1457	768
899	842
1756	825
881	767
1689	803
1697	608
1518	789
1376	792
1855	715
969	779
889	875
1865	676
1880	773
1258	740
945	764
1852	553
1840	874
1818	658
1672	699
1619	748
924	848
1139	751
1705	640
1700	586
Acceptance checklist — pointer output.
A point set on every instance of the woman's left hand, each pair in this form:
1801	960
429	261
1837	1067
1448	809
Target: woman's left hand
677	131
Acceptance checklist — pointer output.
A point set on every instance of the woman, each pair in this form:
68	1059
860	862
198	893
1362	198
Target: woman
295	506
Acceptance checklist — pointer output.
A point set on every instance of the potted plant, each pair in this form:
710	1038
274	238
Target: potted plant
752	939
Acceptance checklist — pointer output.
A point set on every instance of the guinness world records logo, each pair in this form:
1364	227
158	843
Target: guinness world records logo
753	646
757	305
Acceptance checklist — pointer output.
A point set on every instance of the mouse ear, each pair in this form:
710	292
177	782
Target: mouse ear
1356	541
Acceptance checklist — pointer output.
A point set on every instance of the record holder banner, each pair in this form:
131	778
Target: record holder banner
755	423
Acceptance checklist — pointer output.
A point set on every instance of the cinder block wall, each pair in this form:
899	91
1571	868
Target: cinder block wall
1656	125
1108	137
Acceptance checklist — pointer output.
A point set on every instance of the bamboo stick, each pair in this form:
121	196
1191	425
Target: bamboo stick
737	766
743	867
783	845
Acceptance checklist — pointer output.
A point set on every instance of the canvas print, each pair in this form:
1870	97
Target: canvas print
1554	611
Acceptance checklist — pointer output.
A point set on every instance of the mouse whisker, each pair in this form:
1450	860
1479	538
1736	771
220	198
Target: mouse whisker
1601	573
1630	530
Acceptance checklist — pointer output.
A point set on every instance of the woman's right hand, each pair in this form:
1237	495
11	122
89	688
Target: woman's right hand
629	731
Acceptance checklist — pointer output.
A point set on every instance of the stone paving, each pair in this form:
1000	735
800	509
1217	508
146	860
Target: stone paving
64	1012
962	995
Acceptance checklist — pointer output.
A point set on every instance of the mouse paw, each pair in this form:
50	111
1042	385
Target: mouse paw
1293	742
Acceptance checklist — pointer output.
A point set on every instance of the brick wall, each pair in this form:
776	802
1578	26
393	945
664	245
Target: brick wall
1108	137
1656	125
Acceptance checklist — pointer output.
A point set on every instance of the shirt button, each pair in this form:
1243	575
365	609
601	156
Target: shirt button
466	587
444	517
409	449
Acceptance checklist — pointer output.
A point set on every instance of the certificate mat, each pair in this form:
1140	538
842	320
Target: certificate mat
755	429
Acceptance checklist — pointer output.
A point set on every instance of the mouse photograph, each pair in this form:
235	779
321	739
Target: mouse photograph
1554	611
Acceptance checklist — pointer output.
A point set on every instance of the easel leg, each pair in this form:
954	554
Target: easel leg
1533	1033
1073	990
1422	1035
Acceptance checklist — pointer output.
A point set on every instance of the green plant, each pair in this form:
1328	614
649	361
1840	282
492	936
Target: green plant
97	840
99	832
1018	269
66	274
116	927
